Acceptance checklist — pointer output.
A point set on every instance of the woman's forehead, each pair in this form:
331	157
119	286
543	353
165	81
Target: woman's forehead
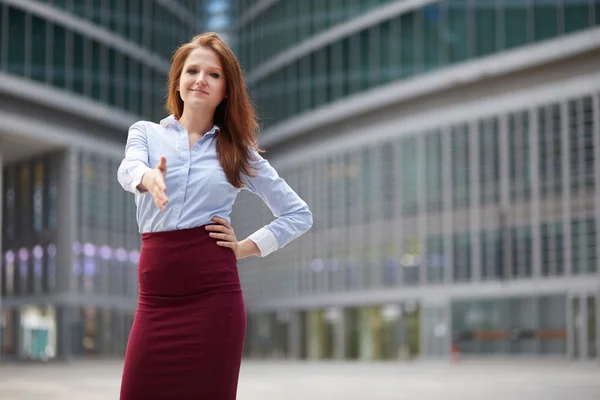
204	57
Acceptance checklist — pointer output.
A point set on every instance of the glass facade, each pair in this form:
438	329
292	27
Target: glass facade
70	246
109	60
100	261
30	230
430	239
530	325
406	42
400	214
340	190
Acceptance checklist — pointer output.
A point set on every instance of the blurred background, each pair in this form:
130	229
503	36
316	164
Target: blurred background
449	151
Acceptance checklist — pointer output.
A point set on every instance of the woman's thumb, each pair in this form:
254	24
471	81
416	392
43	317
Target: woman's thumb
162	164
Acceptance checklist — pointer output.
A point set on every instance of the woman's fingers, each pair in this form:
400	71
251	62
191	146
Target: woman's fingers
222	221
222	236
222	230
159	193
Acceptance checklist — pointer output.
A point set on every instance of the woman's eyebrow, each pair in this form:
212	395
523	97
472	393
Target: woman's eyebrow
208	66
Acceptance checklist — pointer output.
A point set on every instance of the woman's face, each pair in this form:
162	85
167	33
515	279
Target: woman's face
202	81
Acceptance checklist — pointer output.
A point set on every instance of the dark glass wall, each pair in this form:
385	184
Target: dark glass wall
48	52
415	42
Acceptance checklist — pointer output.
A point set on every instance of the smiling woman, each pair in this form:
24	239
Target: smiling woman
186	172
201	78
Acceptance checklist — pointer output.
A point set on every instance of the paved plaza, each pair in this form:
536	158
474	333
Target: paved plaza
477	380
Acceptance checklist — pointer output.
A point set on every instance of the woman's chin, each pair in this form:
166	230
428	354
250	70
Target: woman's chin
199	104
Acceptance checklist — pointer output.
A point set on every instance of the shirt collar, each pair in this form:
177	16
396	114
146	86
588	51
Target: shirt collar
171	122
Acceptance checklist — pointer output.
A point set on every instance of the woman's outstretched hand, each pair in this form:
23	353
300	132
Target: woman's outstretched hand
224	233
154	182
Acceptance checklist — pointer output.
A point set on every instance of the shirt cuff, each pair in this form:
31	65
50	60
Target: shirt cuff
137	179
265	241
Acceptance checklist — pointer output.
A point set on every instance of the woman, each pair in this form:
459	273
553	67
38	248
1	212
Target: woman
187	336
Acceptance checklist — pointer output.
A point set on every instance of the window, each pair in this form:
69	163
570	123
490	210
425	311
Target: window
489	161
462	256
516	26
407	45
581	144
460	166
409	174
39	45
368	184
522	251
485	28
491	254
435	259
519	156
583	243
97	71
79	51
389	179
385	52
550	150
433	171
457	38
545	19
365	69
16	41
432	34
552	249
577	15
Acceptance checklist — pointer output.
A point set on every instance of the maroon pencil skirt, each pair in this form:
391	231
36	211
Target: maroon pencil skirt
189	327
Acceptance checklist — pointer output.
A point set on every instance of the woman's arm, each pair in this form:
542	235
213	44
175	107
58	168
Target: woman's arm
135	164
293	217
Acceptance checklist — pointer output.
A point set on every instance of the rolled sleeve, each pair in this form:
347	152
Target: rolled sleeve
135	164
265	241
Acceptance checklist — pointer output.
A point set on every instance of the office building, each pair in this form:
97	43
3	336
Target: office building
450	153
74	75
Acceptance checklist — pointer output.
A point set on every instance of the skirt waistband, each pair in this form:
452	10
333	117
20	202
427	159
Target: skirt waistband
176	236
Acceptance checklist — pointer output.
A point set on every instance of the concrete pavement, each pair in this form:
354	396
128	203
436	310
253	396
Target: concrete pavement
477	380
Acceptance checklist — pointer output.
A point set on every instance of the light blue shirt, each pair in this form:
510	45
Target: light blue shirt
198	189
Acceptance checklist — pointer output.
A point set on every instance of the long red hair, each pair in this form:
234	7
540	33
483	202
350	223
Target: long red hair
235	116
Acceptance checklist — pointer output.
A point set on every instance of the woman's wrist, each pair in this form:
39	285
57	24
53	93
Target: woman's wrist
248	248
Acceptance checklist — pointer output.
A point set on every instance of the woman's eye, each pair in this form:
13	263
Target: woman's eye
214	75
191	71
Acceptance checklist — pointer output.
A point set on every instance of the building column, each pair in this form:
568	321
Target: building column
447	221
64	349
449	330
537	343
422	210
582	323
67	219
598	326
505	217
340	335
1	251
365	334
570	320
424	327
397	226
314	335
294	335
536	240
566	189
475	200
596	141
